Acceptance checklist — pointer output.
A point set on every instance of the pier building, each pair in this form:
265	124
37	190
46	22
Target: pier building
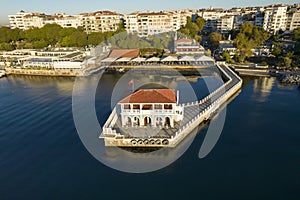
152	107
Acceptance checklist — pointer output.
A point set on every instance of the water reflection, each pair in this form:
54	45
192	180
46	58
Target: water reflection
262	88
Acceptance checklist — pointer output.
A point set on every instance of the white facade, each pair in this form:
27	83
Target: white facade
148	23
145	24
293	20
212	14
225	24
154	114
65	21
188	47
101	21
275	18
160	115
24	21
67	65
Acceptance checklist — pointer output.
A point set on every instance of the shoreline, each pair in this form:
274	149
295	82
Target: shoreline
51	73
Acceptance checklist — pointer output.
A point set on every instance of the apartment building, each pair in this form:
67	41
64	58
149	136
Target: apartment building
212	18
293	19
24	20
101	21
152	23
259	19
225	24
271	18
65	21
275	18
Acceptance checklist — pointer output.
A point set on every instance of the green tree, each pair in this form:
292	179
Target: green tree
39	44
50	33
226	56
80	38
296	33
66	32
192	29
95	38
121	28
6	46
200	22
276	52
214	39
287	62
249	37
185	31
67	42
157	43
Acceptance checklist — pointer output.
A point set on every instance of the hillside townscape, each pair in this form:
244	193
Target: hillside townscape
267	36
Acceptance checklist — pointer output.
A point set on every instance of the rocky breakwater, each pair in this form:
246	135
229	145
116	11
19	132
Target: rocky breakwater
291	78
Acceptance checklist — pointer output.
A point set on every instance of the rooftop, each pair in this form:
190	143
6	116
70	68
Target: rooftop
184	41
124	53
151	96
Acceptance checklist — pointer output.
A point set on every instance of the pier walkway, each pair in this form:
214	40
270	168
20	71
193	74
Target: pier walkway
194	114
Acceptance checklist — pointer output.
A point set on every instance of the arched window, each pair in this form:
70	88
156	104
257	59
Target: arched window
167	122
159	121
147	121
128	121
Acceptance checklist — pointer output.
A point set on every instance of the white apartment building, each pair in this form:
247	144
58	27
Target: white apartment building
152	23
131	23
65	21
225	24
101	21
145	24
183	14
293	19
211	17
275	18
24	21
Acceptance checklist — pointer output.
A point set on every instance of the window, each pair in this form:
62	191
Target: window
127	106
157	107
136	106
168	106
147	107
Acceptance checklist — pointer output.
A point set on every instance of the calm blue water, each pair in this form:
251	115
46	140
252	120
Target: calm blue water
42	157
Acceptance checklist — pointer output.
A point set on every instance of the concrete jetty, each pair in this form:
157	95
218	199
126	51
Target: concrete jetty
194	114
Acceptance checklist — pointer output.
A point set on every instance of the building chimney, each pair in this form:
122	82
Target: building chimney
177	97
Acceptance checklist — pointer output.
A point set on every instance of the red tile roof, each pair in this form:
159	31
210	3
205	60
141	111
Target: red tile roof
184	40
151	96
124	53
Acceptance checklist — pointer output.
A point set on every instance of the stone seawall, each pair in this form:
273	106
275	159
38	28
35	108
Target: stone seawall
44	72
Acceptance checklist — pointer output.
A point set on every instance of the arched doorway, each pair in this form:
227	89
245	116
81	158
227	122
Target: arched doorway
136	121
159	121
147	121
128	121
167	122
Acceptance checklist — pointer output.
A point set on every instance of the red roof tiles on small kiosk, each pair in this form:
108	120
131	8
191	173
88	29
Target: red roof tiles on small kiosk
151	96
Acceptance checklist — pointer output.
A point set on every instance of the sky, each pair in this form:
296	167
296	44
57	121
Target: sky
71	7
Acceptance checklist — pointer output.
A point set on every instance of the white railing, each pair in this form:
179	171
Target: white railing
210	109
111	118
